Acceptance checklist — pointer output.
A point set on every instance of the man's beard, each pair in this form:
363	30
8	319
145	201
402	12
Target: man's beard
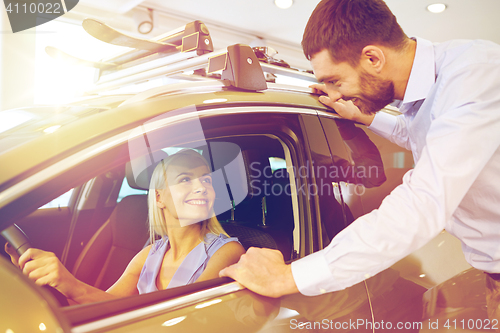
376	93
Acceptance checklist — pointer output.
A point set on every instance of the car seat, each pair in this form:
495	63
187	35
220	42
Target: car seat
118	240
264	218
279	221
107	254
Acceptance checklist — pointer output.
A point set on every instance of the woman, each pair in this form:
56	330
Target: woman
193	246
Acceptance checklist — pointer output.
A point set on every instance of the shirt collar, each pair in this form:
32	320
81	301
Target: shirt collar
423	73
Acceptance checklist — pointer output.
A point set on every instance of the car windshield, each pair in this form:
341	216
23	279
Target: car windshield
21	125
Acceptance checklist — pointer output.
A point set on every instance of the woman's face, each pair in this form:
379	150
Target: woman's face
189	195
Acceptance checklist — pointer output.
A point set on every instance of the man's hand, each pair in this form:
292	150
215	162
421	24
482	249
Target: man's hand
345	109
263	271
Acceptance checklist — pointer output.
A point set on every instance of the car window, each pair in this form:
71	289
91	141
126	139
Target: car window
59	202
331	166
255	159
250	179
126	190
379	165
396	162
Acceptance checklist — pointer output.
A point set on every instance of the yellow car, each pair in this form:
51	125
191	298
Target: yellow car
288	174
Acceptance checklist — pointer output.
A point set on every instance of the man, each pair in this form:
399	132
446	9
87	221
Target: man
450	120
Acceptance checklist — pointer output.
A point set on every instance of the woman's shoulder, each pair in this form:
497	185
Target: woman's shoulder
223	251
213	239
215	242
151	249
158	244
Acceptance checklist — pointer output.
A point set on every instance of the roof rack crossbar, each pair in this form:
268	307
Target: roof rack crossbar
166	69
192	37
278	70
238	63
146	67
184	49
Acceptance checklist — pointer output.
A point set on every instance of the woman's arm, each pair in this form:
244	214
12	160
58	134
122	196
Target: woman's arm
44	268
227	255
126	285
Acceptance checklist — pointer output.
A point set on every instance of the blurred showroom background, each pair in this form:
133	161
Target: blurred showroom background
29	76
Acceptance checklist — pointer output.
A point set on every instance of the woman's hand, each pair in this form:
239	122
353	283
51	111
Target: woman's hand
345	109
44	268
14	257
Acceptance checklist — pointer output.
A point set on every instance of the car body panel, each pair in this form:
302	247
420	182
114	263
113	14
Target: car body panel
458	304
30	309
86	148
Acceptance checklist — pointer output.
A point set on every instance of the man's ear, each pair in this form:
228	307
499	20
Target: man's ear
372	59
159	202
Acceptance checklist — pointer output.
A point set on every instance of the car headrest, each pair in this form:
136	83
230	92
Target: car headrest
139	170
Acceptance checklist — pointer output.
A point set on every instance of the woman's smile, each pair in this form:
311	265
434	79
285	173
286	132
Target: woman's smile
197	202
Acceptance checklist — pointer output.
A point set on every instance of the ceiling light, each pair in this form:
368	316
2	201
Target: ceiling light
51	129
143	20
436	8
283	4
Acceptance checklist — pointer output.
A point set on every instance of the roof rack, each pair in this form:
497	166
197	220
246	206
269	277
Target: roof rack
185	49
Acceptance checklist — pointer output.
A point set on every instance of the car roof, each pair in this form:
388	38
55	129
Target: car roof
48	134
84	125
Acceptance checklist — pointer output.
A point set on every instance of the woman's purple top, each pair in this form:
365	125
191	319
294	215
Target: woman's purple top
191	267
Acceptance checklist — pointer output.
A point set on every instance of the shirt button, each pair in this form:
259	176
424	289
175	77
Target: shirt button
322	291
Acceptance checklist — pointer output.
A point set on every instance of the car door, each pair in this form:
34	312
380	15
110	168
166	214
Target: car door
250	148
240	146
327	169
378	167
270	163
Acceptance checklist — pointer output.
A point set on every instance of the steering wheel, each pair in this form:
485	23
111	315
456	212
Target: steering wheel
18	239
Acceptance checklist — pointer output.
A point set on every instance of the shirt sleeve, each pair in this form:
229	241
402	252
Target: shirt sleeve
461	140
391	128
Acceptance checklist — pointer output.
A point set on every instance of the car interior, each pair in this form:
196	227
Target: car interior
261	217
108	222
105	222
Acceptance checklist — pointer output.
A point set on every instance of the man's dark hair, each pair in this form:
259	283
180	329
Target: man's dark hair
345	27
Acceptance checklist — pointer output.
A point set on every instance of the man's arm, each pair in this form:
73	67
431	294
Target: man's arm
392	128
415	211
460	142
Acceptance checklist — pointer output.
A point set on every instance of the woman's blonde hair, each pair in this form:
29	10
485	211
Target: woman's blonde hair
157	223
